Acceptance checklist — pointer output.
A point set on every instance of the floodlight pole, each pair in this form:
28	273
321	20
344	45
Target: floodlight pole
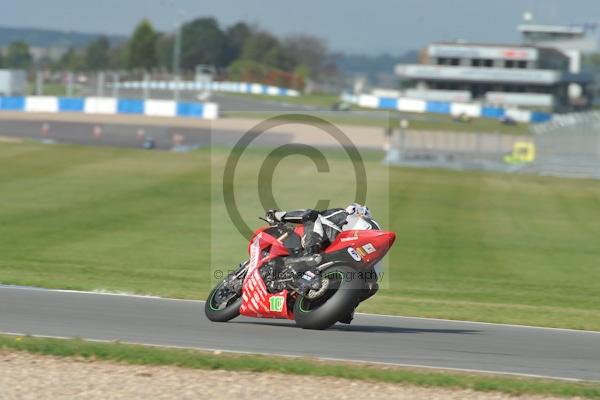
177	54
39	83
176	57
69	84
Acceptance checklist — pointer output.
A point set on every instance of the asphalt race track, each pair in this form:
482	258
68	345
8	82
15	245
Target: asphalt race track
510	349
126	135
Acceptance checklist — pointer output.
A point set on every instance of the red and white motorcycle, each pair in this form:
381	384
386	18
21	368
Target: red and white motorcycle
315	291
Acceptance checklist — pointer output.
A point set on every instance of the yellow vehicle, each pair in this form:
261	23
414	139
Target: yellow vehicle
523	152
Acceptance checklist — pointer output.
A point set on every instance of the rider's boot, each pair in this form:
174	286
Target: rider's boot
304	266
309	256
347	318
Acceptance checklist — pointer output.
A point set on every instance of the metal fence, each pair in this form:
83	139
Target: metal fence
568	146
110	84
454	150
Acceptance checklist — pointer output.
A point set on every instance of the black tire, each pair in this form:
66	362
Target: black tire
337	302
222	312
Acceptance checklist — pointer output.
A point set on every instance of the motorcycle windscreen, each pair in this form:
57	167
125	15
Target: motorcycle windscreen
359	223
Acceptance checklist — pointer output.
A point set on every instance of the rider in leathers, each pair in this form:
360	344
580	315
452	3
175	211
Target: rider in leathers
320	228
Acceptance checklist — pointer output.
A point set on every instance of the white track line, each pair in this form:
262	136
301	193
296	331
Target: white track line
99	293
102	293
483	323
295	356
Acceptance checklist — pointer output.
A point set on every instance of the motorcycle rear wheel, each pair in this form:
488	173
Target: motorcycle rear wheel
339	299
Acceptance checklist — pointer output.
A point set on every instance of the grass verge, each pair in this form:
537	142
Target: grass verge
145	355
317	100
53	89
418	122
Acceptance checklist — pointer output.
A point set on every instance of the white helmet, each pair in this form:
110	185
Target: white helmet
358	209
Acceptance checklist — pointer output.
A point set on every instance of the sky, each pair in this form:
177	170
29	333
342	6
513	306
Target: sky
370	27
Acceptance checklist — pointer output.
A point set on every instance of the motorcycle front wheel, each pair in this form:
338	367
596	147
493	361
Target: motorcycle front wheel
337	298
224	301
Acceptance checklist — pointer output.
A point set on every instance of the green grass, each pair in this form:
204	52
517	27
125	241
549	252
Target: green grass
432	122
318	99
53	89
142	355
475	246
419	122
425	122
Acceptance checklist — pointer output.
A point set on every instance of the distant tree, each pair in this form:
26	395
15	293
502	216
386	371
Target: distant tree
266	49
259	46
302	71
236	36
97	54
142	47
164	51
247	71
202	42
44	62
307	51
1	60
18	55
372	66
118	57
72	60
592	60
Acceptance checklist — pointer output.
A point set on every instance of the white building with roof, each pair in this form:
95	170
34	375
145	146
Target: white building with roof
543	72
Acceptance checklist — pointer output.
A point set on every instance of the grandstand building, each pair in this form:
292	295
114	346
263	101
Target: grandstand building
544	72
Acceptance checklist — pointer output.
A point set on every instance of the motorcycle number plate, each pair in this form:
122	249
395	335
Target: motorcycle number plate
276	303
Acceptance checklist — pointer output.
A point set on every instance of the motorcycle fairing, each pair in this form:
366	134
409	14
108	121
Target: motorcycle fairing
366	245
256	300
